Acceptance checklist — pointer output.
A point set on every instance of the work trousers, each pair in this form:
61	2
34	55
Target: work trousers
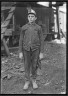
30	63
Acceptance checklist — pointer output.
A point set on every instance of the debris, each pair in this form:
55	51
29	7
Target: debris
4	61
22	69
50	76
61	41
9	76
47	83
2	71
17	67
12	54
3	77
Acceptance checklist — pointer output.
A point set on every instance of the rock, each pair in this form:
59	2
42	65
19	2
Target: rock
17	67
47	83
3	77
9	76
11	53
2	71
4	61
21	69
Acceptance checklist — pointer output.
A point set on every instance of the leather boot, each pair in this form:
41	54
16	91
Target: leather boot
35	86
26	85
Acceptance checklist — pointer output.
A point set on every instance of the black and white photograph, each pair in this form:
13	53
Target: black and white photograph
33	47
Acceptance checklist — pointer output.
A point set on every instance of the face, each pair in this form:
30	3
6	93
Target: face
31	18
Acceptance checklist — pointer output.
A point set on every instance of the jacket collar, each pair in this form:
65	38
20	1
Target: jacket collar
32	23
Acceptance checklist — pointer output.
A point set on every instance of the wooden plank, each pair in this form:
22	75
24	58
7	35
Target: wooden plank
3	30
12	9
5	8
2	36
9	16
5	24
57	9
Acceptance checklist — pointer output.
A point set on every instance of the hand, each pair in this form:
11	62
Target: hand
41	55
21	55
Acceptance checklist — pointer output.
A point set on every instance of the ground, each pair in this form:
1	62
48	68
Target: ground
51	78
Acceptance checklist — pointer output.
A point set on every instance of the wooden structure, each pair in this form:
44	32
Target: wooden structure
4	25
18	13
57	14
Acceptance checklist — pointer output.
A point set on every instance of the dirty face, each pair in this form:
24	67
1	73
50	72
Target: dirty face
31	18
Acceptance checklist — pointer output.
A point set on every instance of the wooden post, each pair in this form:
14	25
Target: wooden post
58	26
13	22
50	36
3	40
6	47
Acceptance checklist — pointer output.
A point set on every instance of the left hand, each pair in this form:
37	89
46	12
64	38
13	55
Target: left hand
41	55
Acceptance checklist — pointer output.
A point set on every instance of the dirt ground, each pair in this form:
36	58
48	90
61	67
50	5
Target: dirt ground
51	78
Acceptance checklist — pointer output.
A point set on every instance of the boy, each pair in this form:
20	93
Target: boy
30	47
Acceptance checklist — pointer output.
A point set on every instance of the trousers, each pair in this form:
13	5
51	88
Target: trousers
30	63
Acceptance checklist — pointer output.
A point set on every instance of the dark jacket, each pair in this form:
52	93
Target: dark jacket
31	36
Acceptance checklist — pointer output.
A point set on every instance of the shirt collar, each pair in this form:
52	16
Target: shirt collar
32	23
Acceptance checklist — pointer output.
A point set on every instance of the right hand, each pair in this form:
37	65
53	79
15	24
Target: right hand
21	55
41	55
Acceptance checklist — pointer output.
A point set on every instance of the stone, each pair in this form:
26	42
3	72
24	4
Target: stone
4	61
47	83
17	67
9	76
22	69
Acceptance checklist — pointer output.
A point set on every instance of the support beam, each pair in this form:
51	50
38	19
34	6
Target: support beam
13	22
6	47
58	25
50	31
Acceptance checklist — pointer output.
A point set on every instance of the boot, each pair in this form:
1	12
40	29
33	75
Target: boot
35	86
26	85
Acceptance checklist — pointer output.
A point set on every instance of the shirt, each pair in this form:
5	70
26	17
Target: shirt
31	36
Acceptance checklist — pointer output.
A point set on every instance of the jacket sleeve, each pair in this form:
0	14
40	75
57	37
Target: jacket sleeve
21	41
41	40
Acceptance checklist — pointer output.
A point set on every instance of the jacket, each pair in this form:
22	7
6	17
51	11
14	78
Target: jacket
31	36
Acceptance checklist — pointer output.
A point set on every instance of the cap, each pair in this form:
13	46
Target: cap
31	11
